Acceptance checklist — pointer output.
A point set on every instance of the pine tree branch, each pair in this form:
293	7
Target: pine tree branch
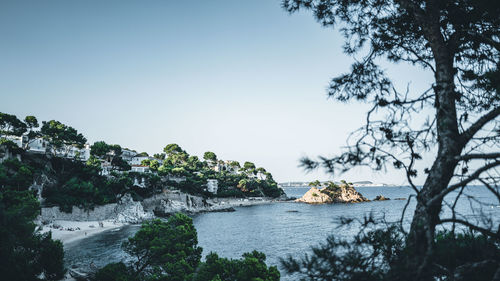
468	134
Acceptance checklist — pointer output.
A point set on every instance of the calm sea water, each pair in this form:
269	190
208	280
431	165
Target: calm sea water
279	229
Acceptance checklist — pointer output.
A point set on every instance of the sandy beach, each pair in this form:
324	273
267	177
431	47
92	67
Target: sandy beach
71	231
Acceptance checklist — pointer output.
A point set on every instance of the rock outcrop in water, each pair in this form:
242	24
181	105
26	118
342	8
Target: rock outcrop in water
381	198
332	193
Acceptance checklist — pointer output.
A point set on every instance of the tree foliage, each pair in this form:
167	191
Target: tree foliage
59	135
169	251
456	41
251	267
210	156
25	254
165	250
10	125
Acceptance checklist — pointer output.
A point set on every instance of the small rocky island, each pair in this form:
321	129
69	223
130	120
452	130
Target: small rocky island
330	192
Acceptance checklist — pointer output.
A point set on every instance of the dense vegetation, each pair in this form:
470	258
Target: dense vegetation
169	251
105	176
25	254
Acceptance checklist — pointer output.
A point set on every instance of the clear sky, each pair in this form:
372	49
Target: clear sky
240	78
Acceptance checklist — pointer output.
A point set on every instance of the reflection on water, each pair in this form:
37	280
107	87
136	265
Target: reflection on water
276	229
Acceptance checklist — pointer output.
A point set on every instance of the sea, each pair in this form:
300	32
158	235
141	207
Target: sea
284	229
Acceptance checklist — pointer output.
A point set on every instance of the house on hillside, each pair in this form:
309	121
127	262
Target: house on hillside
37	145
69	151
139	168
138	158
42	146
128	155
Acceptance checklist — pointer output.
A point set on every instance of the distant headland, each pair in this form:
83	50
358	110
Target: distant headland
292	184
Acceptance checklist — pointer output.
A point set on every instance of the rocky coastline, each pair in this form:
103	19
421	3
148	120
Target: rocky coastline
81	223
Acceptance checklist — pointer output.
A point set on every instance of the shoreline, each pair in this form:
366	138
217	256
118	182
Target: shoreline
70	231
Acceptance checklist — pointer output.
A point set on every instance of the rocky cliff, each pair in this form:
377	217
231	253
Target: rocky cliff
163	204
332	194
125	211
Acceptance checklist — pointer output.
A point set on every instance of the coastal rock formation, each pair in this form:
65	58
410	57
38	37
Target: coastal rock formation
130	211
381	198
315	196
173	201
332	194
164	204
125	211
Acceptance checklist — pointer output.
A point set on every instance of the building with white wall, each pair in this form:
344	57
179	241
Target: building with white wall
140	168
128	155
137	159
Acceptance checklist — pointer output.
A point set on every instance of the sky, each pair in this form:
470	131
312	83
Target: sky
243	79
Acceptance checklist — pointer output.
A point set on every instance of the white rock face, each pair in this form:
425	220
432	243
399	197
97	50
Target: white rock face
126	211
173	201
166	203
130	211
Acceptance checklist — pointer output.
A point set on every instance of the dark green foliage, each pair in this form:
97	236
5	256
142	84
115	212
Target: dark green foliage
94	163
225	191
51	257
251	267
456	250
271	189
169	251
120	164
192	184
457	42
77	192
59	134
380	254
99	149
110	153
165	250
31	122
159	156
173	148
230	186
8	146
11	125
367	256
210	156
15	174
81	185
114	272
24	253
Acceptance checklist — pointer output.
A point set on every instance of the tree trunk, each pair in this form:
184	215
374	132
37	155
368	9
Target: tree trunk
421	236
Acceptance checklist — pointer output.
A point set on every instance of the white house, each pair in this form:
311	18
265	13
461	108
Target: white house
128	155
212	186
139	168
137	159
70	151
38	145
